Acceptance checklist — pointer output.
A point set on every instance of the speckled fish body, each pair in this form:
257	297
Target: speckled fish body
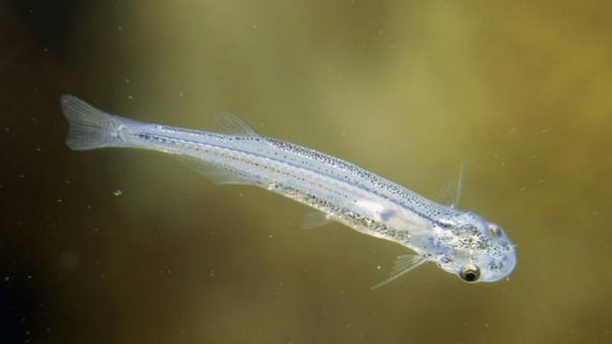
342	191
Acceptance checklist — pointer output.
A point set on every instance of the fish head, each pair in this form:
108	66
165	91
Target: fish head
476	250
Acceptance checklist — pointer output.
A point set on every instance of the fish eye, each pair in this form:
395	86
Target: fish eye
470	273
494	230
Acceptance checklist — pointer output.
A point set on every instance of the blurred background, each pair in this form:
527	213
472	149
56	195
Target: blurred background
120	246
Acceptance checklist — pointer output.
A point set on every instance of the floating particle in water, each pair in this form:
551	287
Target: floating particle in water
117	193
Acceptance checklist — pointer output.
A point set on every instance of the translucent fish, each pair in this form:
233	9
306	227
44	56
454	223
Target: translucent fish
459	242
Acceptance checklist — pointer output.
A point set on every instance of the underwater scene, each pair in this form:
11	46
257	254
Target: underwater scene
455	185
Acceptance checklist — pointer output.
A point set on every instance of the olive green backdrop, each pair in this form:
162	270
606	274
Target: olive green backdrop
119	246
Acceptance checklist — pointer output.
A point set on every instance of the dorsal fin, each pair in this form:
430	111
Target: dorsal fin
459	184
226	122
450	193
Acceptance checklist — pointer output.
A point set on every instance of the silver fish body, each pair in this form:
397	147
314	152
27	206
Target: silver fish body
457	241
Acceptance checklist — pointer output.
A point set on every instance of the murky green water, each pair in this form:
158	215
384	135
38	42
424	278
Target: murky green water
117	246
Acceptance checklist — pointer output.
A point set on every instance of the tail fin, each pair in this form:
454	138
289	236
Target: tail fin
90	128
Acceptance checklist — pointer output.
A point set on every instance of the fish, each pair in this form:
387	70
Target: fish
459	242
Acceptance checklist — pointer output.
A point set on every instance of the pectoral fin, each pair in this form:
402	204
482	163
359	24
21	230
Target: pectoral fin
402	265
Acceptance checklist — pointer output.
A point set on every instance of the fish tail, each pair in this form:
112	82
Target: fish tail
91	128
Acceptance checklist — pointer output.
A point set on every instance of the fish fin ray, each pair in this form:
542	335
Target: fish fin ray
451	191
226	122
459	187
90	127
446	194
314	219
402	265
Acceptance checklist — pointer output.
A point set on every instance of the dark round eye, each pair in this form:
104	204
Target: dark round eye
470	273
